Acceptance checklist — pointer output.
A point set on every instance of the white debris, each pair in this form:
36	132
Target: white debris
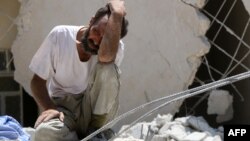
161	120
195	136
183	120
160	137
188	128
215	138
177	132
219	101
227	116
247	5
200	124
131	138
139	131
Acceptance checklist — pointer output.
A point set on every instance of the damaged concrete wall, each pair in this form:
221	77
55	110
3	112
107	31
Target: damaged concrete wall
8	30
247	4
163	46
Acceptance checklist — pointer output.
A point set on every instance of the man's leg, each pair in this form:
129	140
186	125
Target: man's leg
101	101
56	130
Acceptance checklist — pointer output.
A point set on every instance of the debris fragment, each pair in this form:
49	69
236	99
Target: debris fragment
220	103
188	128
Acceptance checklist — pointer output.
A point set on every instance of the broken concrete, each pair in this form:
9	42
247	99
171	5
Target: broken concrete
227	116
164	46
247	5
220	103
188	128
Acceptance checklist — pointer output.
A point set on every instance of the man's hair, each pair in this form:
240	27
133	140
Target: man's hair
106	11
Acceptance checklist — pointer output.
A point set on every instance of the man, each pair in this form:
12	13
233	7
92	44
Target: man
80	66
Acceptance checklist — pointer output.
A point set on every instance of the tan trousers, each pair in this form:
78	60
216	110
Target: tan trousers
100	98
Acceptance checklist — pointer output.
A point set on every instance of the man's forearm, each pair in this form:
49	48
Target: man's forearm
110	42
40	93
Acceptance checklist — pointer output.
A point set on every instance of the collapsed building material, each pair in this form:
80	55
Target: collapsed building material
220	103
188	128
170	99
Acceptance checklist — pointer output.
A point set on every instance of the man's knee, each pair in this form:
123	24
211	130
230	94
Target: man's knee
54	130
105	89
107	69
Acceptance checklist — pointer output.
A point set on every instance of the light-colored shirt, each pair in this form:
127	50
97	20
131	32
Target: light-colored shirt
57	61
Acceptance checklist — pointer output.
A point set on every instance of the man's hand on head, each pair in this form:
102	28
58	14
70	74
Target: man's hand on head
110	41
47	115
117	7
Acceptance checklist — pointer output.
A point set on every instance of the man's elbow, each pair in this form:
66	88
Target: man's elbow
106	59
37	81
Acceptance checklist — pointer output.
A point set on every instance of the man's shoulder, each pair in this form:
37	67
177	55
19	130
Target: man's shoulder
64	28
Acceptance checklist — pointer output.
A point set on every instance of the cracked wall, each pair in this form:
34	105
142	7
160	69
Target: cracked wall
228	34
163	47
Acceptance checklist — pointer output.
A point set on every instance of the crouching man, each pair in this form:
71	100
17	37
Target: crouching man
76	75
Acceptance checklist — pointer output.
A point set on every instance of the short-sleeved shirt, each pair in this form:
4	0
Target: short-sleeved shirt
57	61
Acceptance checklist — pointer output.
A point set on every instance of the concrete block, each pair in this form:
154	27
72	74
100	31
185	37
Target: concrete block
195	136
163	119
200	124
159	138
219	101
177	132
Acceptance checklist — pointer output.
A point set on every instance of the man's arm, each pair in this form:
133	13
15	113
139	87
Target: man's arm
40	93
111	38
41	96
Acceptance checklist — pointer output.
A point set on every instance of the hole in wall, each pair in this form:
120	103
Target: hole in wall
228	35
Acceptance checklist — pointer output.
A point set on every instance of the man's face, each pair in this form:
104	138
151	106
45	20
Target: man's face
93	35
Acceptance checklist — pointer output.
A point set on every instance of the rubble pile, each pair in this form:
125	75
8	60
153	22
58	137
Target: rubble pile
165	128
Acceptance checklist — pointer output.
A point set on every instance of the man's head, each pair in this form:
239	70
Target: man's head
93	35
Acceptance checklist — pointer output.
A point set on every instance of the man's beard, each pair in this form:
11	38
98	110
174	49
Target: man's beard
86	42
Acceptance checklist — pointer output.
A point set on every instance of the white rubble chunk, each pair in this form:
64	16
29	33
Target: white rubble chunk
219	101
139	131
227	116
247	5
209	138
221	129
215	138
177	132
162	119
195	136
164	129
200	124
159	138
183	120
130	138
188	128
